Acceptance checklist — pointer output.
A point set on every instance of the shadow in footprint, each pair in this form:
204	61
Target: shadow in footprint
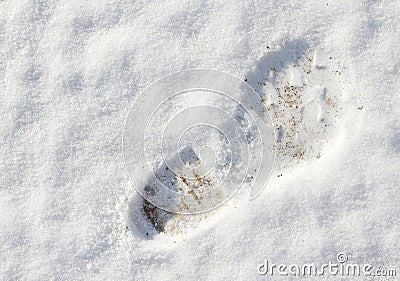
276	60
145	219
148	219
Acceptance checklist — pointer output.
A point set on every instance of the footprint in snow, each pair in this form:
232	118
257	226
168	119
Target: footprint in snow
302	94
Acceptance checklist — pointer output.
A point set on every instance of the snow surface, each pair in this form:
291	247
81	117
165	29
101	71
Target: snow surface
69	73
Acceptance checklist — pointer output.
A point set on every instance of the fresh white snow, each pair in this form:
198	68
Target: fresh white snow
70	72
